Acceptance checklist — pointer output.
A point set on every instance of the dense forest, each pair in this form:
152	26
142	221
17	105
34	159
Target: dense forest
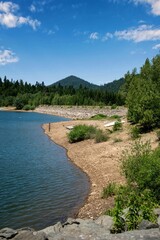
26	96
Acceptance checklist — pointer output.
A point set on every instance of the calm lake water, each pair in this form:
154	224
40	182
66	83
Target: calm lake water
38	184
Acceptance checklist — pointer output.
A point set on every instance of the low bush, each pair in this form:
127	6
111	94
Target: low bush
98	117
117	126
140	195
28	107
141	167
101	136
158	135
110	190
81	132
135	132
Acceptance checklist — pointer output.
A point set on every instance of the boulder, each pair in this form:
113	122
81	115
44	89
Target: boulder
7	233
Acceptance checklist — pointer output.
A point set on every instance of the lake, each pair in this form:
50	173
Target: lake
38	184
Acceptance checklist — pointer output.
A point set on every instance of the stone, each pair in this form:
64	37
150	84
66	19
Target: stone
29	235
157	211
145	224
105	221
7	233
52	229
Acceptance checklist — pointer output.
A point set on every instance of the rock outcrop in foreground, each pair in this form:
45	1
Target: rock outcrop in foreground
78	229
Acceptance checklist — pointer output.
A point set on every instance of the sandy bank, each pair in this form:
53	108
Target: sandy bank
100	161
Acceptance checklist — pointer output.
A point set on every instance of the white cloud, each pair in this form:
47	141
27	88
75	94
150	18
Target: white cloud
94	36
7	56
154	4
107	36
156	47
9	19
8	7
142	33
32	8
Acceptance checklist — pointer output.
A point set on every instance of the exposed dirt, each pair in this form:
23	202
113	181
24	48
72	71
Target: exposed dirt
101	161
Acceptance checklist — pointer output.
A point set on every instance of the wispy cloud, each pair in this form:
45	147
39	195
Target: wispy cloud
10	19
154	4
94	36
139	34
32	8
157	46
7	57
107	36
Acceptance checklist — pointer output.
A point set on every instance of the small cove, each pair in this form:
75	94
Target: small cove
38	184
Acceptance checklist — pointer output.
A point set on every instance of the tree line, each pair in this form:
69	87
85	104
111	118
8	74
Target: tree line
26	96
142	94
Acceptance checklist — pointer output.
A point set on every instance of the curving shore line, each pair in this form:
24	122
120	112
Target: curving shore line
99	161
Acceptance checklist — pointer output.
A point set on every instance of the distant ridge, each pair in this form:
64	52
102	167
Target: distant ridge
76	82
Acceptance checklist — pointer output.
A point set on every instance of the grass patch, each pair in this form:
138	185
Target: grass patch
101	136
98	117
117	126
110	190
135	132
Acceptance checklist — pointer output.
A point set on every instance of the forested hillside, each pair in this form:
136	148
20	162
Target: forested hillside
26	96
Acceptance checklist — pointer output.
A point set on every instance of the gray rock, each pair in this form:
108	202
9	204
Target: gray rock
158	221
29	235
52	229
105	221
157	211
145	224
7	233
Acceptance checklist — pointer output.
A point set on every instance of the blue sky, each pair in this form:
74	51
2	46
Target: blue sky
97	40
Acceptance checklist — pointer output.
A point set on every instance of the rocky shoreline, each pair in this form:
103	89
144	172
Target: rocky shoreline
78	229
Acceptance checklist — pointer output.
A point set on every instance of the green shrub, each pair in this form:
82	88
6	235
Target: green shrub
138	205
135	132
101	136
117	126
81	132
110	190
158	135
141	167
28	107
114	106
98	117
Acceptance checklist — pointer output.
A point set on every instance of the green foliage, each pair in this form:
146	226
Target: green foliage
98	117
110	190
135	132
114	106
141	167
101	136
14	92
81	132
117	126
142	93
158	135
19	104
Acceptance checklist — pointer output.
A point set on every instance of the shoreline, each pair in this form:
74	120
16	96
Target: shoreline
100	161
94	205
